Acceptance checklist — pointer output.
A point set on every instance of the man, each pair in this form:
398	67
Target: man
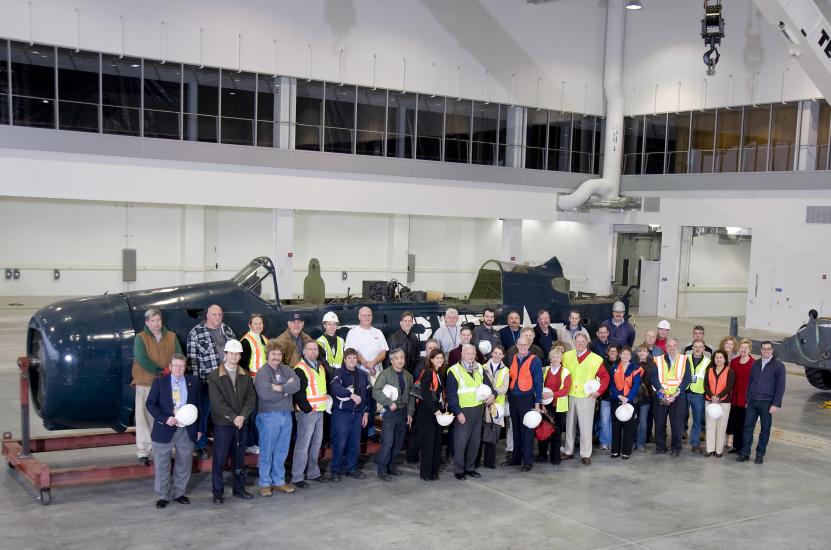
527	333
152	349
206	344
649	339
398	413
621	331
466	337
544	335
448	334
331	345
462	380
293	339
583	366
167	395
310	400
407	340
764	399
352	401
567	333
486	330
429	346
670	384
509	334
524	393
233	398
663	334
698	334
601	344
697	363
369	342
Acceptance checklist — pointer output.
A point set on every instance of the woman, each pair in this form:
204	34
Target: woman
558	380
718	385
497	373
729	344
626	382
646	362
604	427
431	404
740	366
253	357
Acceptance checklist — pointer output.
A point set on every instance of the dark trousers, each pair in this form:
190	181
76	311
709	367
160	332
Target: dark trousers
466	440
346	441
735	425
625	430
252	437
550	448
429	435
393	431
523	437
677	414
204	414
228	441
414	441
757	409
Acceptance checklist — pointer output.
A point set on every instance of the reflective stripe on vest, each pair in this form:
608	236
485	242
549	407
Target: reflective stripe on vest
718	381
316	388
672	375
258	355
581	372
333	357
522	373
467	385
697	373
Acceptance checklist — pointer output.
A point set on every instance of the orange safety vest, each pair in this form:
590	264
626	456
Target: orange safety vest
718	381
526	382
623	383
315	395
434	384
258	358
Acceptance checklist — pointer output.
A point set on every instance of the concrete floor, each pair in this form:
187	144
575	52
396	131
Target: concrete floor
649	502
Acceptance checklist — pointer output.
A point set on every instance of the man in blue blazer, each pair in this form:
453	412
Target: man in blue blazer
167	395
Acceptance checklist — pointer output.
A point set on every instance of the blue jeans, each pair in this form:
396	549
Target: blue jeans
204	414
696	404
346	441
757	409
643	424
605	424
274	428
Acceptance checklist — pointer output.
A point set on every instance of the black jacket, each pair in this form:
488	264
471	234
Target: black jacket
229	400
407	342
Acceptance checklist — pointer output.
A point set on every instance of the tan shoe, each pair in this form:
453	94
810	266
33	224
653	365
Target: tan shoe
285	488
265	491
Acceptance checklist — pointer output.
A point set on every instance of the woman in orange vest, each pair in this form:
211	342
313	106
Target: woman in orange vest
430	404
253	357
626	381
719	379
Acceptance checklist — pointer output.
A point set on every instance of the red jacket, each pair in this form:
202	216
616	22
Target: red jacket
742	372
552	382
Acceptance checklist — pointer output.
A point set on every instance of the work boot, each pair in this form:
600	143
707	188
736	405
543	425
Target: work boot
265	491
284	488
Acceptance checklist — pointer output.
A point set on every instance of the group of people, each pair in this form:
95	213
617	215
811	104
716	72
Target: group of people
560	388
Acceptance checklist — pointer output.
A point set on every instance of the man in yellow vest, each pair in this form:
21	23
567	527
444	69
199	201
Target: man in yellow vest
670	384
584	366
697	363
311	402
331	345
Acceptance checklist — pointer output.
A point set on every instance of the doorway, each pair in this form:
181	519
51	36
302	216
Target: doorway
635	243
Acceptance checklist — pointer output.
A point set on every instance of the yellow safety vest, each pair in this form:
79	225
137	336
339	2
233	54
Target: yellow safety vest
562	402
697	373
333	357
467	385
671	376
316	388
581	372
501	374
258	355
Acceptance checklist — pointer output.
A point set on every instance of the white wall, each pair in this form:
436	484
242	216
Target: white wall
717	278
484	37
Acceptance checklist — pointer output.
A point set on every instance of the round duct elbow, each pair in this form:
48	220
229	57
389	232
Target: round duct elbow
597	186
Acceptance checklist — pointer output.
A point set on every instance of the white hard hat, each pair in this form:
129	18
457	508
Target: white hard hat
444	419
391	392
591	386
329	404
186	415
233	346
330	317
625	412
714	411
618	306
664	324
485	346
547	396
497	412
483	392
532	419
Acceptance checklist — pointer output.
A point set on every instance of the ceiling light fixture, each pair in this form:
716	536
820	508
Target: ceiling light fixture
634	5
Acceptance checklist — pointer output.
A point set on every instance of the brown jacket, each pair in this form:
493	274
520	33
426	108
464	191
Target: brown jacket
151	357
286	343
229	400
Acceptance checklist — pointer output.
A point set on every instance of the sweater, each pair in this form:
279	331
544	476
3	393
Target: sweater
269	400
742	375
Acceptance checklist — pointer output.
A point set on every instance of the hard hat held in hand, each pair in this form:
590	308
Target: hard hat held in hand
390	392
329	404
714	411
591	386
186	415
532	419
444	419
624	412
547	396
233	346
483	392
485	347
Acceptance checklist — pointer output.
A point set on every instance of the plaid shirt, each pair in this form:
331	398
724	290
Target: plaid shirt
201	349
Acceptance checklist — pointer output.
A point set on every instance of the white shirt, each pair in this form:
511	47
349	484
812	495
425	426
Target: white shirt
368	342
448	337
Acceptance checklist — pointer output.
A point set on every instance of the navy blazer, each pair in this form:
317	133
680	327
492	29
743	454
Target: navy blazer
160	406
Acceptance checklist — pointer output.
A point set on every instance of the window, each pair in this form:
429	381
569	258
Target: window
429	127
457	130
33	85
632	144
78	87
339	126
237	104
4	82
485	133
309	116
783	136
823	135
582	143
755	137
728	140
162	99
371	122
559	141
536	139
401	124
654	144
678	142
200	101
703	142
121	95
599	136
269	108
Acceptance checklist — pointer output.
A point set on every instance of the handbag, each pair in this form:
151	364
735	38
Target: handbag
490	433
546	428
415	391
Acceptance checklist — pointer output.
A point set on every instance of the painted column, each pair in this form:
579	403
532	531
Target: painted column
283	255
511	241
192	244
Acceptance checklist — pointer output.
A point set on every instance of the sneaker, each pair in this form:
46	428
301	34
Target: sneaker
284	488
253	450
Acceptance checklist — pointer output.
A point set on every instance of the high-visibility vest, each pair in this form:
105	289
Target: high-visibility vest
545	370
581	372
562	402
670	376
333	356
258	355
697	373
467	384
622	382
316	388
500	379
718	381
522	373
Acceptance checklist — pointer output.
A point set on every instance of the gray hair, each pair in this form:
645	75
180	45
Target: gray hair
466	346
396	351
180	357
451	311
581	335
152	312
